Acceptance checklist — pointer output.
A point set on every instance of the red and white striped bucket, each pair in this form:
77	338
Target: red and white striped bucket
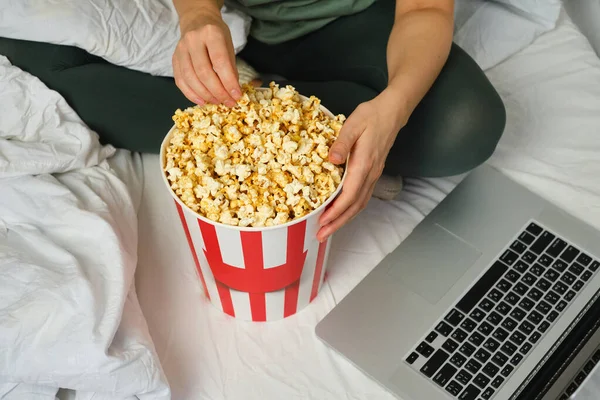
256	274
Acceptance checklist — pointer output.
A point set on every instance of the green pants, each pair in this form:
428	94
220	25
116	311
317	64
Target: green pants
455	127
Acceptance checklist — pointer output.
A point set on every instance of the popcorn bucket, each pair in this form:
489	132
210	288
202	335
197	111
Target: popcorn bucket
256	273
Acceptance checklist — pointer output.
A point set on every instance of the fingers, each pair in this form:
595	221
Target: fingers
351	131
204	70
224	67
357	206
187	81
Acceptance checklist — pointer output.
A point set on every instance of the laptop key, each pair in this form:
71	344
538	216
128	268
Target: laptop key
521	266
528	279
537	269
594	266
576	269
443	328
545	260
470	393
508	348
560	288
520	288
534	229
509	324
434	363
542	242
516	359
503	308
526	347
509	257
490	370
450	346
480	288
500	334
535	294
535	317
543	307
518	338
491	345
526	304
578	285
552	316
412	358
570	295
561	306
529	257
487	393
473	366
526	327
527	237
512	298
568	278
459	335
485	328
444	375
551	274
494	318
569	254
552	297
495	295
507	370
468	325
504	285
481	380
498	382
586	276
518	247
556	247
454	388
486	305
543	284
560	265
535	336
463	377
512	276
431	337
458	359
518	314
467	349
500	359
584	259
482	355
454	317
477	315
425	349
543	327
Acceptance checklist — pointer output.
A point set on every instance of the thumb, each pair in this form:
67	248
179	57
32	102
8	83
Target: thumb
349	134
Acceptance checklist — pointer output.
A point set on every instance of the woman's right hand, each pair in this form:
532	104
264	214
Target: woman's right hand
204	60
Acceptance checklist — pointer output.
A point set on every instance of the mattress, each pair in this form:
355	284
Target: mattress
551	145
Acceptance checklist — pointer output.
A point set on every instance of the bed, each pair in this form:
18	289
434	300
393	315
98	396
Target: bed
551	89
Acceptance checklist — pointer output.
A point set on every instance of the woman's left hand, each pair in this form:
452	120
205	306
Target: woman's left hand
368	134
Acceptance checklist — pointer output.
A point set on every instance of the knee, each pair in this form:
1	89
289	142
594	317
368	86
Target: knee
459	122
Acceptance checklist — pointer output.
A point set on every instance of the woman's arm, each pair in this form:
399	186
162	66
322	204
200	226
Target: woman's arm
418	47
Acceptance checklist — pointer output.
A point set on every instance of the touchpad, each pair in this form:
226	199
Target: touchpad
430	260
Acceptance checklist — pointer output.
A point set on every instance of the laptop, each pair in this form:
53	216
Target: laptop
493	296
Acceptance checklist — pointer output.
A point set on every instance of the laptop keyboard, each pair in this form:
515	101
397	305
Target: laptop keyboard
485	336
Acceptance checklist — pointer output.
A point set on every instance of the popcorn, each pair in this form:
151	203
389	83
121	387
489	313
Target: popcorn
259	163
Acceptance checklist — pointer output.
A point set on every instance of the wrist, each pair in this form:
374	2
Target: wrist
394	105
199	9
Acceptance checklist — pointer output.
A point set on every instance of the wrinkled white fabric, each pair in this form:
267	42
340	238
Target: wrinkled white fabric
140	34
69	314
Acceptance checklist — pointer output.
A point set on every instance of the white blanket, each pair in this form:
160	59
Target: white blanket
69	314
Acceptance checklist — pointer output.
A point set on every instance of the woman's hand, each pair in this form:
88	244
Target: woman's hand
368	134
204	59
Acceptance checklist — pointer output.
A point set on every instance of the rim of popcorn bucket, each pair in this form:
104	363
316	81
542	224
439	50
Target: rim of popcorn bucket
247	228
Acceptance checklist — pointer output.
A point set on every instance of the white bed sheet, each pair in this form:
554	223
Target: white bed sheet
551	145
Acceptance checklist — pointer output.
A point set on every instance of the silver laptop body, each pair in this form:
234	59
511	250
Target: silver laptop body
476	300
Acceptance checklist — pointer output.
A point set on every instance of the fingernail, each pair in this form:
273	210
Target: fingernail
336	157
236	94
200	102
230	103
